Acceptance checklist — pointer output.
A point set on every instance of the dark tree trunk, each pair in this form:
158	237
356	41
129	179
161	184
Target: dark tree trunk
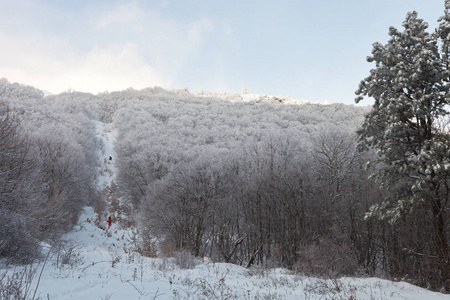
441	241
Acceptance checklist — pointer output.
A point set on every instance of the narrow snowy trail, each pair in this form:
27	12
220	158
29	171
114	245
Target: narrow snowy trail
102	265
98	249
107	136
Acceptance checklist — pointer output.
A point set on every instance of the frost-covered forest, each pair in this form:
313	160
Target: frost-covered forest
47	170
243	179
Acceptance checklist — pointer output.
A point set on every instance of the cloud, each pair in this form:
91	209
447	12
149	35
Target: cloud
112	68
102	68
112	47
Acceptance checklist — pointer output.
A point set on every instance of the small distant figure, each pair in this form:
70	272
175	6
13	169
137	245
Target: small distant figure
110	158
109	221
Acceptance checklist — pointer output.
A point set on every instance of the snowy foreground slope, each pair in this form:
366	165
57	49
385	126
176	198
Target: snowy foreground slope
103	265
106	271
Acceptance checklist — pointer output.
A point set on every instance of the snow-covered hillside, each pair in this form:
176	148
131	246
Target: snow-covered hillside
109	269
98	262
257	98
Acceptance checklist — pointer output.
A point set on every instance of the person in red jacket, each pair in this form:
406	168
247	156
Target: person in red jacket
109	221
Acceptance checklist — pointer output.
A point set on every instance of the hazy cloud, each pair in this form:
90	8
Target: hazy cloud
104	48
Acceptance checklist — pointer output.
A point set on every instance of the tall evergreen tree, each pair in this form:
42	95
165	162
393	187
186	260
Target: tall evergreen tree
407	126
443	33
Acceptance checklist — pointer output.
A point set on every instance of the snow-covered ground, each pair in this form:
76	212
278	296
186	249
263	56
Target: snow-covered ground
101	264
246	97
107	135
105	267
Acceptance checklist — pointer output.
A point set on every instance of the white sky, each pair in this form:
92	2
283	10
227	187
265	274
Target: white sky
308	49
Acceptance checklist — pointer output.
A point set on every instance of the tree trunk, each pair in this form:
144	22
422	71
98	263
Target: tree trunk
441	242
253	257
236	244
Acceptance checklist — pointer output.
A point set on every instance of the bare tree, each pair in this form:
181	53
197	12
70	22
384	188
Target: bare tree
17	242
180	207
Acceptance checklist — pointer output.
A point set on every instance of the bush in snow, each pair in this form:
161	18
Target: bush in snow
185	260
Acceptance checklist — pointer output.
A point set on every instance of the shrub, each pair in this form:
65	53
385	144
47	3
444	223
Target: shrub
17	244
185	260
